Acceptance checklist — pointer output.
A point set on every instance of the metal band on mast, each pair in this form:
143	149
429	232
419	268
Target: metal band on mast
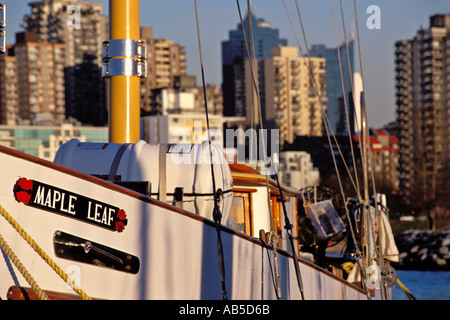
124	63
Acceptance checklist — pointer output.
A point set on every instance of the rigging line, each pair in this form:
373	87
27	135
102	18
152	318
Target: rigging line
204	96
363	92
344	96
313	80
288	225
366	132
273	235
323	113
258	102
273	276
258	118
253	65
346	46
217	215
355	117
363	104
262	237
251	57
377	246
358	252
315	87
346	106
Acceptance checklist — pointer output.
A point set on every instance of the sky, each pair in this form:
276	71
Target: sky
175	20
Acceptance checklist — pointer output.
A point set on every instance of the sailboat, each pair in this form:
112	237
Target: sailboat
128	220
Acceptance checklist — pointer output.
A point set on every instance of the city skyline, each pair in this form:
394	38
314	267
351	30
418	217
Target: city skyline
175	20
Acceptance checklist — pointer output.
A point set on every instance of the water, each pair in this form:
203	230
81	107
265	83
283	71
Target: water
424	285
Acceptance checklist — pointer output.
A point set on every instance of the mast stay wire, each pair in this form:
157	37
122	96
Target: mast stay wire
313	81
344	95
363	84
378	250
217	215
371	231
288	226
311	73
251	55
364	149
346	112
273	238
358	253
355	117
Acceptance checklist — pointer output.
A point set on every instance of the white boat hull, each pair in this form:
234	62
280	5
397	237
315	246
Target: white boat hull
177	250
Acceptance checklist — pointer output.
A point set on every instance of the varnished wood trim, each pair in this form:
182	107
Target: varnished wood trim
261	180
22	293
235	167
243	189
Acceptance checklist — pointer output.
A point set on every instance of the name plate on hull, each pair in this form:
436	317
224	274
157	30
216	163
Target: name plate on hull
50	198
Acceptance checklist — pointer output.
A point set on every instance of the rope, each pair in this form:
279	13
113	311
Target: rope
217	215
12	256
42	254
408	293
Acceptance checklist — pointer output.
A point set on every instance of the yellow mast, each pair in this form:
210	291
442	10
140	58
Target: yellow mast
124	126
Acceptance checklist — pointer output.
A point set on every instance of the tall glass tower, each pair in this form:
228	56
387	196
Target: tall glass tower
334	83
234	53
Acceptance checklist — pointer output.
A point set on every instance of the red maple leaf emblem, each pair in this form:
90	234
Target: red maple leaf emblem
23	189
121	220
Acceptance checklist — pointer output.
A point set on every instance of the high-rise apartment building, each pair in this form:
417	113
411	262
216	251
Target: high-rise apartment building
336	113
288	94
234	53
167	85
9	103
80	25
82	28
423	106
40	73
166	62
